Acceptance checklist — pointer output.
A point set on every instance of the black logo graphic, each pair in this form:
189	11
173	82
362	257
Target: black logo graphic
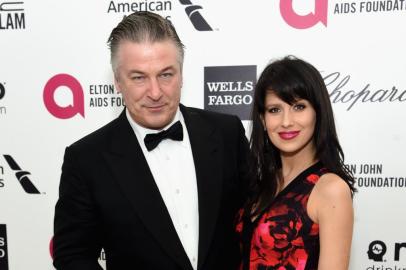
3	247
11	6
22	176
195	17
3	110
1	174
2	91
229	89
12	15
376	250
398	246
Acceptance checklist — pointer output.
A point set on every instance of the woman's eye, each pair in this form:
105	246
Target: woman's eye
299	107
273	110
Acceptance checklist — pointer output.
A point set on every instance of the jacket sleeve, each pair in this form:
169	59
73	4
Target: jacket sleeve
77	239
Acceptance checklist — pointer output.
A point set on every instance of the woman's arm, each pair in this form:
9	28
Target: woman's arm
330	205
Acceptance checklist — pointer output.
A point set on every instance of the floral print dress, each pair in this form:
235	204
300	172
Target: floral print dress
283	237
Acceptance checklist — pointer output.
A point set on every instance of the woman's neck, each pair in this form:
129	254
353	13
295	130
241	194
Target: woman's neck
295	163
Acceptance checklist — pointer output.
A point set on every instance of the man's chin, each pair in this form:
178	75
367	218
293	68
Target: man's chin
157	123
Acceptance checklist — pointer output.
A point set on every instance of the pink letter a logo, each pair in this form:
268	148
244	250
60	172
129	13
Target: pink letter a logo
304	21
78	99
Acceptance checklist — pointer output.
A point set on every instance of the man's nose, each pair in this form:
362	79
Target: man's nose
154	91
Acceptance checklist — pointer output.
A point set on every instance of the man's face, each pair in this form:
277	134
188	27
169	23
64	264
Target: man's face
149	77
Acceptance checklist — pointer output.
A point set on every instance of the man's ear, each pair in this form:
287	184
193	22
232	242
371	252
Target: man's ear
117	84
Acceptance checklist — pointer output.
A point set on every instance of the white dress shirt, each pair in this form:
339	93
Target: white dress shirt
173	169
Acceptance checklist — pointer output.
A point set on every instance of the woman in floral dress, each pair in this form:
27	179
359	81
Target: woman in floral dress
299	215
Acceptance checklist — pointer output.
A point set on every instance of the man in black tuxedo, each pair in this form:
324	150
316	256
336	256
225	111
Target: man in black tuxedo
158	187
165	200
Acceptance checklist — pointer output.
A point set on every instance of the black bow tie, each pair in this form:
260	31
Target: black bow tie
175	132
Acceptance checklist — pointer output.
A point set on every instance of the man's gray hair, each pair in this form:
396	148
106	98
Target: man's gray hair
140	27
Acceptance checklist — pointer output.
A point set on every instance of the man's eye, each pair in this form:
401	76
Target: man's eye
137	78
166	75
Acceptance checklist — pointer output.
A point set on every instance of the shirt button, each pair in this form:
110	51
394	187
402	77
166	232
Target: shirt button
194	259
177	191
186	226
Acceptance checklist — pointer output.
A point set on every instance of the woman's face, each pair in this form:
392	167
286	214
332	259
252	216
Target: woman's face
290	127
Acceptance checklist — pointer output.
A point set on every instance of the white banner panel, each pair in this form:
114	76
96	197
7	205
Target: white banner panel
56	86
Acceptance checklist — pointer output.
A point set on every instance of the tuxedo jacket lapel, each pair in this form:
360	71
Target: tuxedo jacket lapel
131	171
207	151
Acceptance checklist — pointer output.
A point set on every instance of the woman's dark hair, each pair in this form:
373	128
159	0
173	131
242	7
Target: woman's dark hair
290	79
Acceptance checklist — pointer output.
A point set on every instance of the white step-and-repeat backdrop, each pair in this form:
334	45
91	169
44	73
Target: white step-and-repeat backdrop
56	86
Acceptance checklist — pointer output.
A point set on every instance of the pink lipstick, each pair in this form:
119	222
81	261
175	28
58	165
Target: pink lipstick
288	135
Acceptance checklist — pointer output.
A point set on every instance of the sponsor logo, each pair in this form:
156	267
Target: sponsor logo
341	91
21	175
192	11
321	12
376	252
12	15
100	96
140	5
372	176
195	16
295	20
3	247
104	95
64	112
229	89
3	109
363	7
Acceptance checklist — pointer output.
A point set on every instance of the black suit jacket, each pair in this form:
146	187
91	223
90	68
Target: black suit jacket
108	199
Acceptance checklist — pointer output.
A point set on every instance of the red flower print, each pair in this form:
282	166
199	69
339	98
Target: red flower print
312	178
284	237
314	229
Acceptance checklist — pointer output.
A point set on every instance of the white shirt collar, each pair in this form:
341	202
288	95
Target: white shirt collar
141	131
